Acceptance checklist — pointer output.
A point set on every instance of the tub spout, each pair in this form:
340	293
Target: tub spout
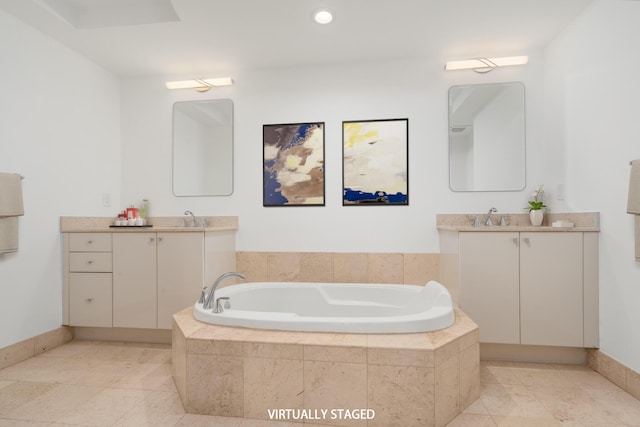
211	297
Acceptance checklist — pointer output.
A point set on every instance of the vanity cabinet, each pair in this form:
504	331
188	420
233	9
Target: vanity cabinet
134	280
180	273
527	287
155	276
139	279
551	289
88	260
489	288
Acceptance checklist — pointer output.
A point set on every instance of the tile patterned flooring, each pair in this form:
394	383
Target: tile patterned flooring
86	383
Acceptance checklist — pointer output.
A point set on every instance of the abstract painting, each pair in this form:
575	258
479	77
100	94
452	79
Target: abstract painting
375	162
293	161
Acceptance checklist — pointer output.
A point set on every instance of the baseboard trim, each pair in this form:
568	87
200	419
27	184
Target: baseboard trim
155	336
533	353
616	372
23	350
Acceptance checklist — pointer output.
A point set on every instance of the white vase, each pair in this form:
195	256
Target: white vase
536	217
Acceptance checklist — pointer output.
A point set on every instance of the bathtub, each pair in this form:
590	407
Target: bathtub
334	307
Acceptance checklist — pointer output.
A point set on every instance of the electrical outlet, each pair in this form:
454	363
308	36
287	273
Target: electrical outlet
560	192
106	200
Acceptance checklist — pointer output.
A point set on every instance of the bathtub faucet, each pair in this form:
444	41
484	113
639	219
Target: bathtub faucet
211	297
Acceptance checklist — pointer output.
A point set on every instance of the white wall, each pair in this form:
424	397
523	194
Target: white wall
592	107
59	127
330	93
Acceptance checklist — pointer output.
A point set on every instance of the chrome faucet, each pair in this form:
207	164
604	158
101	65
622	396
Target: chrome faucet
211	297
193	224
488	221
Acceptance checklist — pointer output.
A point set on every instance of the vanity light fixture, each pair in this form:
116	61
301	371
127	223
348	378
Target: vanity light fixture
323	16
484	65
201	85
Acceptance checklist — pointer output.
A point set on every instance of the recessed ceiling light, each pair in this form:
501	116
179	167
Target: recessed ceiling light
323	16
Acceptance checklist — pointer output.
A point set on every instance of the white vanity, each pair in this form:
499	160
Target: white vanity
523	284
134	277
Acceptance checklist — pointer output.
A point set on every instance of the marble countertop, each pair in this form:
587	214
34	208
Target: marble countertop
583	221
158	224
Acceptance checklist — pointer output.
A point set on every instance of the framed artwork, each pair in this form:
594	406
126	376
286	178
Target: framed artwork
375	166
293	164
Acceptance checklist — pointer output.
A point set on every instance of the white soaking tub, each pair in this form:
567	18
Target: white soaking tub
334	307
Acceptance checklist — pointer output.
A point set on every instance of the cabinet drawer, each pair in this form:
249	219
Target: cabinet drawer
90	299
90	262
90	242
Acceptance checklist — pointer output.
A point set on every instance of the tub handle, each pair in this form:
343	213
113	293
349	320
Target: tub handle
218	307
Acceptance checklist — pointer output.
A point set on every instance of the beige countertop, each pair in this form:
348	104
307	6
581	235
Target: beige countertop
157	224
583	221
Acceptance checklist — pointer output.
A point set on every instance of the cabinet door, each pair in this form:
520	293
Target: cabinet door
90	299
489	288
134	280
180	273
551	288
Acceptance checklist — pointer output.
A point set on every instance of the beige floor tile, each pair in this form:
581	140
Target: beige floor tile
262	423
54	404
192	420
573	404
502	421
19	393
476	408
512	400
472	420
495	374
103	409
621	404
157	409
147	376
22	423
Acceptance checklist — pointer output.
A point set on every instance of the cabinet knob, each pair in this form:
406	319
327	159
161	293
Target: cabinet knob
89	242
515	241
151	239
527	241
90	262
89	299
160	239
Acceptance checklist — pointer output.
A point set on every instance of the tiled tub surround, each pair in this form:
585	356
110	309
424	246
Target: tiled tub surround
339	267
422	379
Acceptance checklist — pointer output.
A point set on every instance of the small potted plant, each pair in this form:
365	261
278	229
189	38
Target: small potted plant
536	213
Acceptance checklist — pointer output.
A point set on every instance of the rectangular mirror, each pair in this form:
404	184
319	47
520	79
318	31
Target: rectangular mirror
487	137
203	148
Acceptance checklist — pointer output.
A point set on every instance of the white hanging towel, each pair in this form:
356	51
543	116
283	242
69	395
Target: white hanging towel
8	234
11	195
11	207
633	202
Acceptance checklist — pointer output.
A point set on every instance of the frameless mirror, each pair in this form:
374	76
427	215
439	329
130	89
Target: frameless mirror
487	137
203	148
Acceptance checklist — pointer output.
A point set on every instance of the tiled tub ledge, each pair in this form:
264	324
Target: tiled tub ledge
419	379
